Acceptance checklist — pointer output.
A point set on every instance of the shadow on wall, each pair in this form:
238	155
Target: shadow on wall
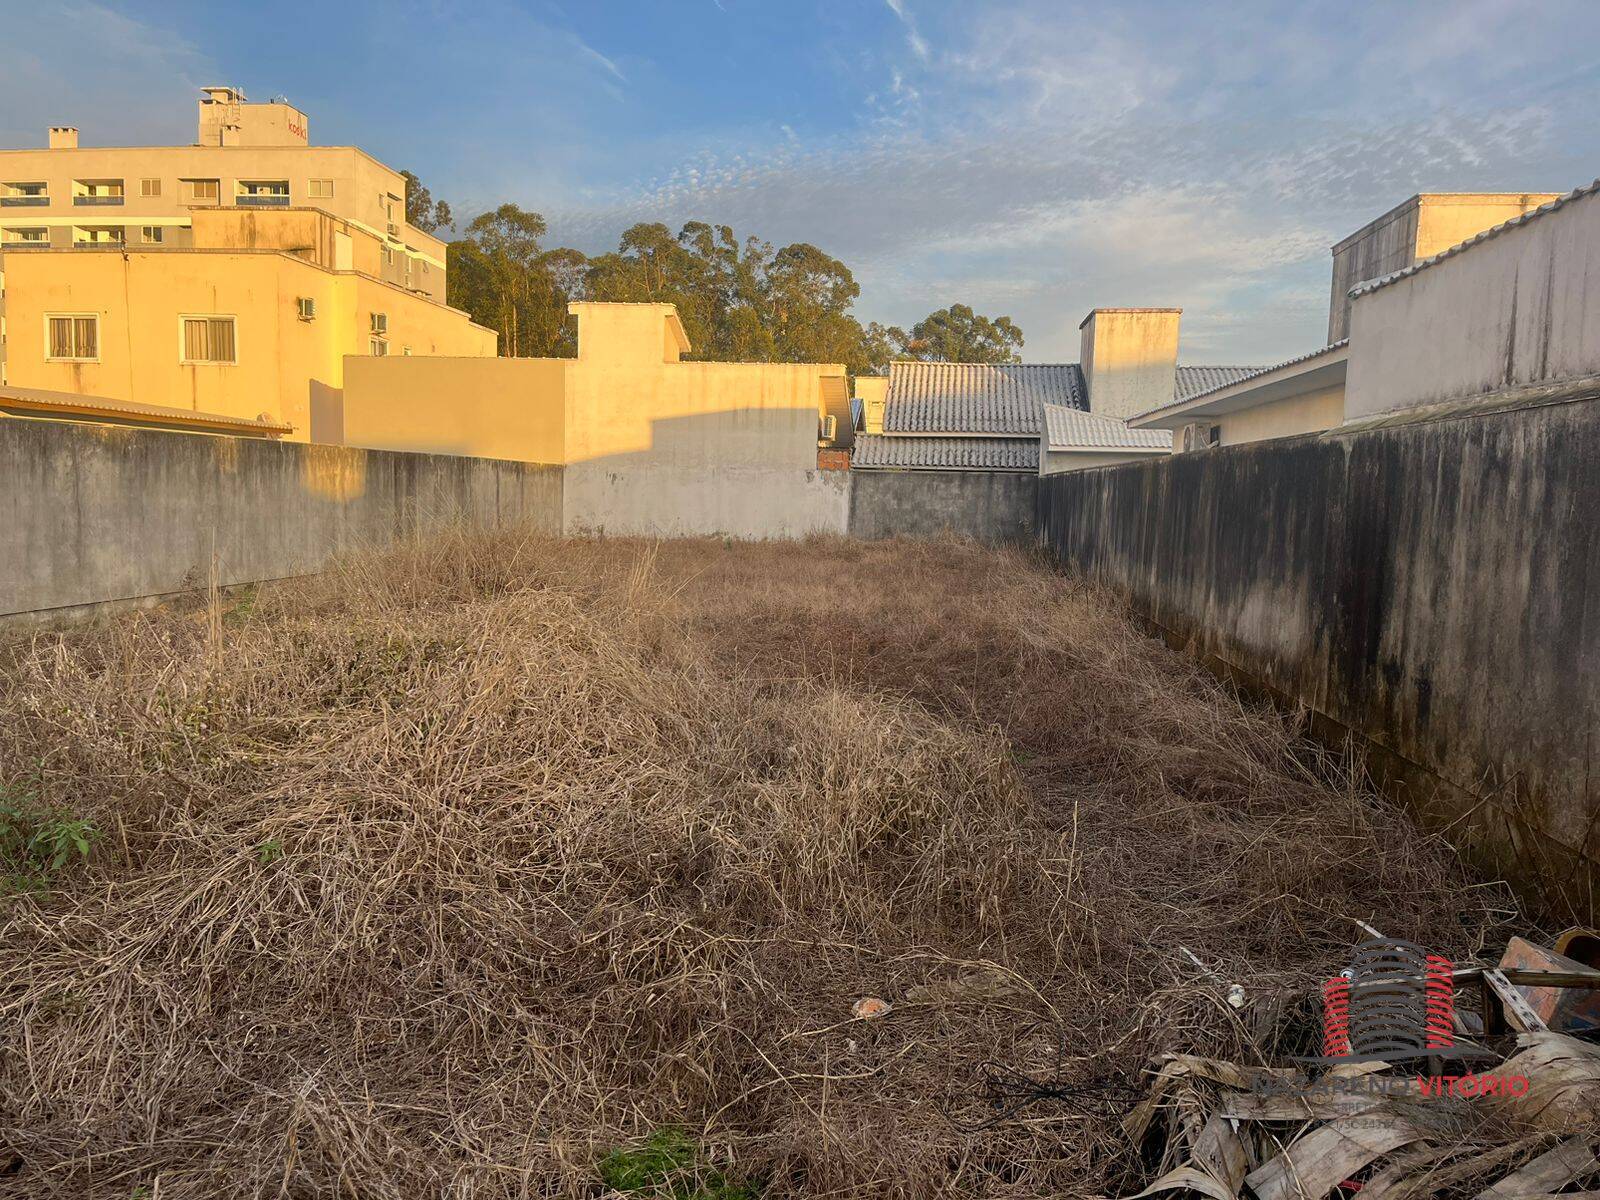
746	473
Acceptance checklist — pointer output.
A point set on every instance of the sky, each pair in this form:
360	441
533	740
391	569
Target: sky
1032	158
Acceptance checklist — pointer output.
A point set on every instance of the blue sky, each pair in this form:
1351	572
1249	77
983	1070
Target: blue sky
1028	157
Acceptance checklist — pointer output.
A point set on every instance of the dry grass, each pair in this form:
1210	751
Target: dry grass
451	871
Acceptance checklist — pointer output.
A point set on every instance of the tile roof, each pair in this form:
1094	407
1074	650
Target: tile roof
1192	381
1069	429
876	452
1372	285
937	397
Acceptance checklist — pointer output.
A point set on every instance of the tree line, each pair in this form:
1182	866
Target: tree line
740	300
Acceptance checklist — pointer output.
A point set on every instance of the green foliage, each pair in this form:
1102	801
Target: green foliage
501	273
739	300
36	843
667	1166
422	210
957	334
270	851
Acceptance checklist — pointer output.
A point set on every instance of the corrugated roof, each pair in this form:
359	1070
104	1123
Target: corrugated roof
876	452
1069	429
936	397
68	403
1193	381
1373	285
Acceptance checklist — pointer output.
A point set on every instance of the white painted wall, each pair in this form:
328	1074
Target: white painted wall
1522	307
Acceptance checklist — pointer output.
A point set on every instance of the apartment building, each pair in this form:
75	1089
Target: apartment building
135	273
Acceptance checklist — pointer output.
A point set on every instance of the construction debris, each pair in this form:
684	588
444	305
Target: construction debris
1222	1129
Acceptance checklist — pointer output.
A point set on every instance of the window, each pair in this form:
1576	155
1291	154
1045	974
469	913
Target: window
320	189
73	337
201	191
96	192
25	237
154	234
261	192
388	256
98	235
209	340
24	195
149	187
379	348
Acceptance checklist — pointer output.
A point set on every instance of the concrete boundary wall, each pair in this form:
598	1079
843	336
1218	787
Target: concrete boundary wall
1432	587
93	515
989	506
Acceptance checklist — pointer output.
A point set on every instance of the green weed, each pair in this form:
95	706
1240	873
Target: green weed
36	843
668	1166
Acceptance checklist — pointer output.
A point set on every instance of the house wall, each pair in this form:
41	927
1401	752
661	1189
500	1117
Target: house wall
505	408
141	296
1293	415
1427	586
992	507
96	514
1415	229
1520	308
1055	462
873	392
660	447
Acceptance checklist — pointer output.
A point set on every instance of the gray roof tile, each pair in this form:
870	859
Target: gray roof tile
1194	380
1069	429
936	397
876	452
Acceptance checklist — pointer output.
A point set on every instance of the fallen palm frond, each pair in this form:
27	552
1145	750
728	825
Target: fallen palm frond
462	868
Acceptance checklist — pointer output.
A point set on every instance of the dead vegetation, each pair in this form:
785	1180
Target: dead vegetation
464	867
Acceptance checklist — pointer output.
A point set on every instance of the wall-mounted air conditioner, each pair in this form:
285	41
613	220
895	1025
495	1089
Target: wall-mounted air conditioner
828	428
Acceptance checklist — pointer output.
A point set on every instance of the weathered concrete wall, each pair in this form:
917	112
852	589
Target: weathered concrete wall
989	506
1429	585
1521	307
742	472
93	514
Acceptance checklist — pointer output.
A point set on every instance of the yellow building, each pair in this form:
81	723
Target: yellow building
651	444
234	275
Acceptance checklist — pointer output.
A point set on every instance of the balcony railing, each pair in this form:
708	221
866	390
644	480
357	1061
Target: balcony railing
8	247
107	244
97	201
24	201
262	200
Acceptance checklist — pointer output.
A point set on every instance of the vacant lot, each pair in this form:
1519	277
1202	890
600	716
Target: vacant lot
510	867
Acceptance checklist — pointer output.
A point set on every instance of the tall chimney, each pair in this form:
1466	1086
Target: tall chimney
1129	358
63	137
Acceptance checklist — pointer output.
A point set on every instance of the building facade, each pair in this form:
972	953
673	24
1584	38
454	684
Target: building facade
179	220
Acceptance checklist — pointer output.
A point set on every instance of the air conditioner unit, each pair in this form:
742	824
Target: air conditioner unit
308	308
380	323
829	429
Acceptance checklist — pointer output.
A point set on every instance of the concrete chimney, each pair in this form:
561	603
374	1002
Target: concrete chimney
63	137
1129	358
